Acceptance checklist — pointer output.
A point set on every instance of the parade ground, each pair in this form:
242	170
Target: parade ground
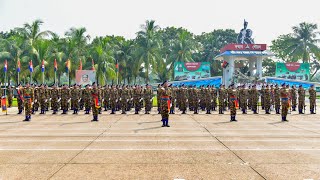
137	147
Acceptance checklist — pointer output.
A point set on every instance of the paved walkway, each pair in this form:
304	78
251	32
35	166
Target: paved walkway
137	147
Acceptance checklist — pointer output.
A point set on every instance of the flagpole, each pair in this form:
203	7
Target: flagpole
42	77
55	77
5	89
18	78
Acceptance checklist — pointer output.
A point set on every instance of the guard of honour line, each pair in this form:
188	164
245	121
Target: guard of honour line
124	98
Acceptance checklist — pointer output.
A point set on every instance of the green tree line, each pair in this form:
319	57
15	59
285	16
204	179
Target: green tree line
147	58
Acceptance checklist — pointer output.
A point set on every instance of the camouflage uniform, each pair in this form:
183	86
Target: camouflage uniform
36	99
65	99
28	97
293	98
208	99
113	99
255	99
137	99
148	99
262	93
232	93
267	99
183	99
285	94
196	99
87	99
95	102
312	97
10	94
124	98
43	100
221	100
75	99
301	99
55	96
20	99
277	99
243	99
164	105
214	94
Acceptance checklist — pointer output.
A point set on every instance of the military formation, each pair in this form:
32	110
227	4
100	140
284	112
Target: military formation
124	98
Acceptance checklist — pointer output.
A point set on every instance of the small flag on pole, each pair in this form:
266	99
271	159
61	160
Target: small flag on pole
42	66
117	66
80	65
93	65
30	66
55	65
18	66
68	65
5	68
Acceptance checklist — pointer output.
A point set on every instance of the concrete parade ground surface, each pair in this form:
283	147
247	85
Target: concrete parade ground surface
137	147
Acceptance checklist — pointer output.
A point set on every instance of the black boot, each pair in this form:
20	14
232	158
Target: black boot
166	122
87	111
27	118
95	118
267	111
163	123
183	112
300	111
255	111
195	111
112	111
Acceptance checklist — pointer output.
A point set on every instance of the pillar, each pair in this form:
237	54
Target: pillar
259	66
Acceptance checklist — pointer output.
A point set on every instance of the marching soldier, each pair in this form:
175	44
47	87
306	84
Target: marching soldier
10	94
158	97
243	99
20	98
312	97
43	99
285	94
165	104
232	92
124	98
301	99
221	99
262	93
267	99
293	94
28	97
137	99
36	103
255	99
277	99
55	98
65	99
113	99
148	99
208	99
75	99
183	99
95	101
87	99
214	94
196	99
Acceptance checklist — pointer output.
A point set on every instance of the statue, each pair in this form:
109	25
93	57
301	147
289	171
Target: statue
245	34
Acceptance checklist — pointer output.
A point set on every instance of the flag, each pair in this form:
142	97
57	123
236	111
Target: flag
68	65
18	66
5	68
80	65
42	66
117	66
93	65
55	65
30	66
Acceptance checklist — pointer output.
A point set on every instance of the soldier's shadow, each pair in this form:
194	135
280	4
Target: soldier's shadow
137	130
74	123
147	122
10	122
226	122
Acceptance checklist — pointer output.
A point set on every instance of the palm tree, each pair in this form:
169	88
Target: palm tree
301	44
148	46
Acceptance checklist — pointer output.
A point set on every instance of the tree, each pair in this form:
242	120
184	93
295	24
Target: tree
148	46
299	45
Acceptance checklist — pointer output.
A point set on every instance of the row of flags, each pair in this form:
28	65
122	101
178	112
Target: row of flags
55	64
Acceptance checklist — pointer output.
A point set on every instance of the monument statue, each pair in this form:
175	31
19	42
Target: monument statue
245	34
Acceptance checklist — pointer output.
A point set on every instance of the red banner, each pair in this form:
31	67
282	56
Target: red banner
4	104
244	47
192	66
293	66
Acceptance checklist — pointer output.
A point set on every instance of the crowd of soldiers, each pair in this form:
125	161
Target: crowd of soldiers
124	98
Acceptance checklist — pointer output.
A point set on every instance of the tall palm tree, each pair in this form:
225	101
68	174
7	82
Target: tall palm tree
148	46
299	45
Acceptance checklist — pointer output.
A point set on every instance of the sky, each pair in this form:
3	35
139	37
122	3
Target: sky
268	19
